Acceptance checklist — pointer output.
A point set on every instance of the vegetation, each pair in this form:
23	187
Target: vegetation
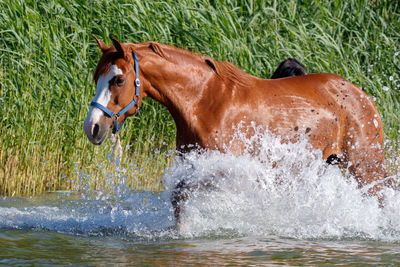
48	55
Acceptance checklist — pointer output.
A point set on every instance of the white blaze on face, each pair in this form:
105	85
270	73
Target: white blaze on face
103	96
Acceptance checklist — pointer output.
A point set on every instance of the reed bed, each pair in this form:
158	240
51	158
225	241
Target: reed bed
48	55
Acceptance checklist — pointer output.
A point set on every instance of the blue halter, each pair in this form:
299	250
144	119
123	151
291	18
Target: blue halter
115	116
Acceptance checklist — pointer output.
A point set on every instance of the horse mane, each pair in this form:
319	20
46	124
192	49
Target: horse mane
224	70
157	49
228	71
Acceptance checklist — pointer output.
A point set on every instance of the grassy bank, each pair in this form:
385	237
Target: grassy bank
48	55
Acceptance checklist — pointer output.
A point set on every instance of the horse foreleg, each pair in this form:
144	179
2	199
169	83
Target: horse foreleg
181	194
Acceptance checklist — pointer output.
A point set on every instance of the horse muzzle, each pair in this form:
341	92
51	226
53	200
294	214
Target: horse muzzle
96	132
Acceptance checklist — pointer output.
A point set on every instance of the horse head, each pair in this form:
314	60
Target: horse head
118	93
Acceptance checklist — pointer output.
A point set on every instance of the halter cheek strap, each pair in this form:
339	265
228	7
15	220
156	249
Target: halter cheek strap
115	116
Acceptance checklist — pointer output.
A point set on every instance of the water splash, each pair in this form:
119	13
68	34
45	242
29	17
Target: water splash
286	190
300	197
141	215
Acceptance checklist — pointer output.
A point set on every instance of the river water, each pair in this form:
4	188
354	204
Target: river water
301	211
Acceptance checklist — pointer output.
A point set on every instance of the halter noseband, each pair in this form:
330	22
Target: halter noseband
115	116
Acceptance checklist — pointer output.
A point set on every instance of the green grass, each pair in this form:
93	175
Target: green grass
48	55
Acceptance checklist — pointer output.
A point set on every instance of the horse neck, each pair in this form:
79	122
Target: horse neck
178	88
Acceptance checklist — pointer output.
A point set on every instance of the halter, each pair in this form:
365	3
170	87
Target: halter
115	116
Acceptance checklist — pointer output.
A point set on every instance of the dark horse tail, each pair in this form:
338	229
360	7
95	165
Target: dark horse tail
289	67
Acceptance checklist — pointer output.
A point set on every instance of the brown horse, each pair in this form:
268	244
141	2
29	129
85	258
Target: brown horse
208	98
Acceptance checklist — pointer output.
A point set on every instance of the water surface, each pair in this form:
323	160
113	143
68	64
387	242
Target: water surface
50	248
301	212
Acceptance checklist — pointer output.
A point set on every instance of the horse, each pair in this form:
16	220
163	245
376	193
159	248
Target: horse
288	68
208	98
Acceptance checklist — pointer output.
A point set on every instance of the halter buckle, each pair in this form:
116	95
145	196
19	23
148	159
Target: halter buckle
115	117
137	82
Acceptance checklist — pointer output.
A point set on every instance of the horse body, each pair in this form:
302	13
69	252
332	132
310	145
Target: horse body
208	99
336	116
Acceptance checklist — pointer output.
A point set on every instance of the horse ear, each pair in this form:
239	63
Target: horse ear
118	46
102	45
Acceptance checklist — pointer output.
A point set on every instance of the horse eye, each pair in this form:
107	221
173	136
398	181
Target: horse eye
119	81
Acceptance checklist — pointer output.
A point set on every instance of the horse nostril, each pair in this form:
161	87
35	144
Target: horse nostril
95	130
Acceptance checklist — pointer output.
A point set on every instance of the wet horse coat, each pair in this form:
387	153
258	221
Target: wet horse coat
208	98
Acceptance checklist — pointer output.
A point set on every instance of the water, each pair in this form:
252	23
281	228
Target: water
51	248
302	211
